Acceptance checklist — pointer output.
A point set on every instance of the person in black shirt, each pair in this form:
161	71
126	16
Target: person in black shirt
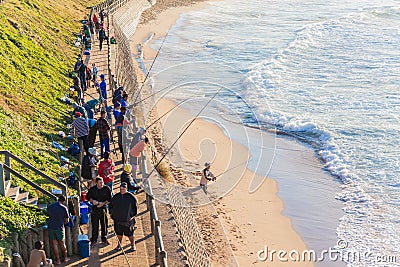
99	195
123	209
126	177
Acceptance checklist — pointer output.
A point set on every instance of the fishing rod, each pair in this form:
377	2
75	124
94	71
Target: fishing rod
151	66
230	169
174	107
186	128
171	108
165	88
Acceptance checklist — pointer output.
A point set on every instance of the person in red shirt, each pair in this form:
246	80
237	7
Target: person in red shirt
134	154
106	170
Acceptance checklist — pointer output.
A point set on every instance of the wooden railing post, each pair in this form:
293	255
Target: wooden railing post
157	224
7	161
2	181
75	229
47	243
68	240
16	260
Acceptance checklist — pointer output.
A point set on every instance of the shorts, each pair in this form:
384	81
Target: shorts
123	229
58	235
133	160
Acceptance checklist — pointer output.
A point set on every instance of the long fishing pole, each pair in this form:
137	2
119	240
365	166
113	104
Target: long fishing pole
165	88
230	169
174	107
151	66
186	128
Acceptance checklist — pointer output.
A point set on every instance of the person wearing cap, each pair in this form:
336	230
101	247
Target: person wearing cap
206	175
123	209
80	129
103	88
126	177
99	195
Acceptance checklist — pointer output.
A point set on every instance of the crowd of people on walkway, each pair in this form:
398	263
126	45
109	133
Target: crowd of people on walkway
97	164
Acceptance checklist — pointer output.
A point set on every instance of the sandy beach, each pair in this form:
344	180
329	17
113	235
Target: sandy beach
249	221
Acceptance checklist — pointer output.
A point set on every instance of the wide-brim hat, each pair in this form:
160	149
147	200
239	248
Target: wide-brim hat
207	164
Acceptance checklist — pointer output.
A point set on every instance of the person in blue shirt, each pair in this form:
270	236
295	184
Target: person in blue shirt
124	100
58	216
103	88
117	110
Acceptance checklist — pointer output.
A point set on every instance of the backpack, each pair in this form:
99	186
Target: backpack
86	170
74	149
71	179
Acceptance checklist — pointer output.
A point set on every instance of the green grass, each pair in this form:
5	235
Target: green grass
36	53
15	218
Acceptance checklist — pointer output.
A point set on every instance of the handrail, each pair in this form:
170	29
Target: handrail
161	254
58	184
34	185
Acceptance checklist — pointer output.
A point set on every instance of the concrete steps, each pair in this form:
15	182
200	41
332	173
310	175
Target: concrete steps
19	197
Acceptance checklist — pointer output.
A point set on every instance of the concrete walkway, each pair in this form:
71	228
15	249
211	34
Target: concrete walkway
100	254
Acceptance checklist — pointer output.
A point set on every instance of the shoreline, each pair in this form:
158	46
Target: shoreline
244	216
233	219
159	25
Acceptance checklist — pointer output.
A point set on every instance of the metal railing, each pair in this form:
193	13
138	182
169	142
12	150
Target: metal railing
9	171
161	254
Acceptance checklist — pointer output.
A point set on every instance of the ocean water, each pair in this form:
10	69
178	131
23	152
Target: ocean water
324	72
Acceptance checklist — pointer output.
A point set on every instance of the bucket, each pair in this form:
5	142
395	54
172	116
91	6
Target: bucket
84	248
83	196
82	237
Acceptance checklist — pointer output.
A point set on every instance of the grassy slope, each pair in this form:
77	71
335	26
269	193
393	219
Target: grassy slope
36	52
